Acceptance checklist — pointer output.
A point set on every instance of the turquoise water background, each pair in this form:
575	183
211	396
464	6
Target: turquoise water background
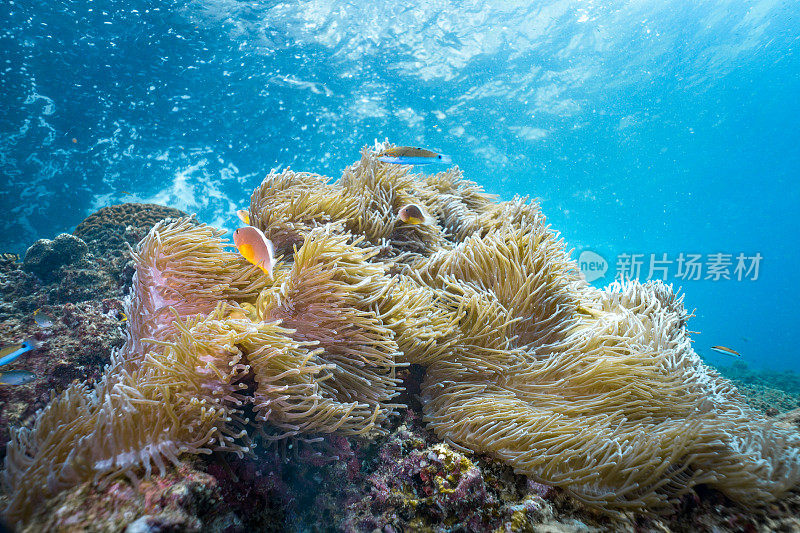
645	127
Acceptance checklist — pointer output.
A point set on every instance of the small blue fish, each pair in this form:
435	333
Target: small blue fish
9	354
16	377
408	155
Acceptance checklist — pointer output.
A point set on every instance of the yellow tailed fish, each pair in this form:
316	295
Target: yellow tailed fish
42	319
244	215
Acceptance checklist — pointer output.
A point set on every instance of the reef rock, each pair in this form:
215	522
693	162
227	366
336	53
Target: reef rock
45	258
110	231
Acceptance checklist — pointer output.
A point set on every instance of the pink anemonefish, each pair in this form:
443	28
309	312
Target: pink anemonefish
256	248
414	214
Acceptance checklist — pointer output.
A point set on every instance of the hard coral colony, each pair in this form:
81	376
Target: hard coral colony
596	391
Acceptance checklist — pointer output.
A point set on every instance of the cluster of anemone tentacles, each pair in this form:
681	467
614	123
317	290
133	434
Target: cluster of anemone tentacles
596	391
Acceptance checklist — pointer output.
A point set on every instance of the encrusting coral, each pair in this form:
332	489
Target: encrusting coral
105	230
596	391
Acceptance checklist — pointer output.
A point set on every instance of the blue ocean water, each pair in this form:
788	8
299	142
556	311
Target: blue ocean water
645	128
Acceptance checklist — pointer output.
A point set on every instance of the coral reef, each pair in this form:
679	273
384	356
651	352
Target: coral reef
596	392
19	291
367	486
54	272
81	292
111	231
773	392
110	228
786	381
75	347
85	309
65	265
46	257
398	483
771	401
420	485
183	499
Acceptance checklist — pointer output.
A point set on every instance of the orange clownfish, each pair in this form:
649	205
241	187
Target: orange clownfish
414	214
256	248
244	216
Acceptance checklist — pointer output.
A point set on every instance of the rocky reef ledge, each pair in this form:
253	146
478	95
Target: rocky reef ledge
455	375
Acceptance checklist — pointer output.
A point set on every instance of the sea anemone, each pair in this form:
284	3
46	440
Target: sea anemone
596	391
